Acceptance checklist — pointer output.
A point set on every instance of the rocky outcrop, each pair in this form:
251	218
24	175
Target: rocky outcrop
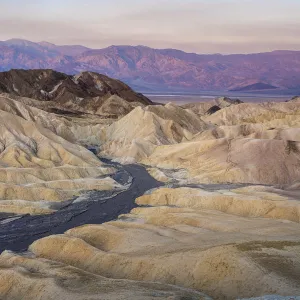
210	107
135	136
213	109
295	99
86	92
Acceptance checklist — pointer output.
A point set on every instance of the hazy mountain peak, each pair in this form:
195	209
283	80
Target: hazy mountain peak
19	42
46	44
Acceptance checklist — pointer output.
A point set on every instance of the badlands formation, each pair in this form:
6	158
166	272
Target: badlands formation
224	223
43	139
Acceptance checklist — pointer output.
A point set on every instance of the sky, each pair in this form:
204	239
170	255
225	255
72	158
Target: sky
201	26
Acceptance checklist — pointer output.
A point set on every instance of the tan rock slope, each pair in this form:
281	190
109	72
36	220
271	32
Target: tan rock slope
232	144
227	244
37	165
202	108
46	118
250	143
232	160
136	135
23	276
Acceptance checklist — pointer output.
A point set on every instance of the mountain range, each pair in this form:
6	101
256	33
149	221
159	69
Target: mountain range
148	69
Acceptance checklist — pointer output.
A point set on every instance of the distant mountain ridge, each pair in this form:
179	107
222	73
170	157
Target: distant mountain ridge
149	69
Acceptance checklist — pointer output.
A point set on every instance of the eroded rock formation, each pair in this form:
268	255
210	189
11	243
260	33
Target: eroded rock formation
225	224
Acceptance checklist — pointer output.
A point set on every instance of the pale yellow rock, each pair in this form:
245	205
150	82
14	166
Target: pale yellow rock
201	108
238	160
254	131
229	244
247	202
24	277
24	208
273	114
144	133
223	255
136	135
159	175
247	142
37	164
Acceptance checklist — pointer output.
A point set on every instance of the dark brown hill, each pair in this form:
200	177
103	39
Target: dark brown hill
86	92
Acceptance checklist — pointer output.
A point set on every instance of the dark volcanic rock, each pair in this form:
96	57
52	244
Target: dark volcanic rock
89	88
225	101
294	99
213	109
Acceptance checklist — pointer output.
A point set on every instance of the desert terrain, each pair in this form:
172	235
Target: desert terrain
106	194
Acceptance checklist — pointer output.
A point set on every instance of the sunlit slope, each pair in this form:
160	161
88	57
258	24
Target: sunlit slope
227	244
38	165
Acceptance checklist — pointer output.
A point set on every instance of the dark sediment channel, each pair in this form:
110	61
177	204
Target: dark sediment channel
97	207
17	233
